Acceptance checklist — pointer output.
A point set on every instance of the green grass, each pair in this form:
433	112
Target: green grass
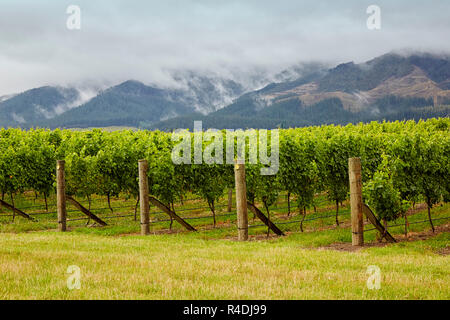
116	263
33	266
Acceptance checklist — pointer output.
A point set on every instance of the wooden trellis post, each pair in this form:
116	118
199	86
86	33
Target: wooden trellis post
61	195
241	201
143	197
356	203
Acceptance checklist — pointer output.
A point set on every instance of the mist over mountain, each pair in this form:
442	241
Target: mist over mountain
126	104
35	105
391	86
132	102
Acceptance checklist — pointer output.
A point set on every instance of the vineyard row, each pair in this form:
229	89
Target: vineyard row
402	163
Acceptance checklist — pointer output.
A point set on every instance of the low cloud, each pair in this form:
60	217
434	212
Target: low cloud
147	41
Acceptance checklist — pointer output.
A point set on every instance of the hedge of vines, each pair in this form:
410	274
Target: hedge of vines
402	163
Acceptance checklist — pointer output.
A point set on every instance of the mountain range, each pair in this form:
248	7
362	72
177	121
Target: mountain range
388	87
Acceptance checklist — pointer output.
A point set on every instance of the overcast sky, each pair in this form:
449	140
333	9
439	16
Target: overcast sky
144	40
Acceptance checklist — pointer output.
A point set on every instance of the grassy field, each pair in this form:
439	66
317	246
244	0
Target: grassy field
116	263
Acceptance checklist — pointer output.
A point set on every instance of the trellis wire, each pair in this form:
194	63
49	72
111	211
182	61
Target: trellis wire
298	221
189	217
415	222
